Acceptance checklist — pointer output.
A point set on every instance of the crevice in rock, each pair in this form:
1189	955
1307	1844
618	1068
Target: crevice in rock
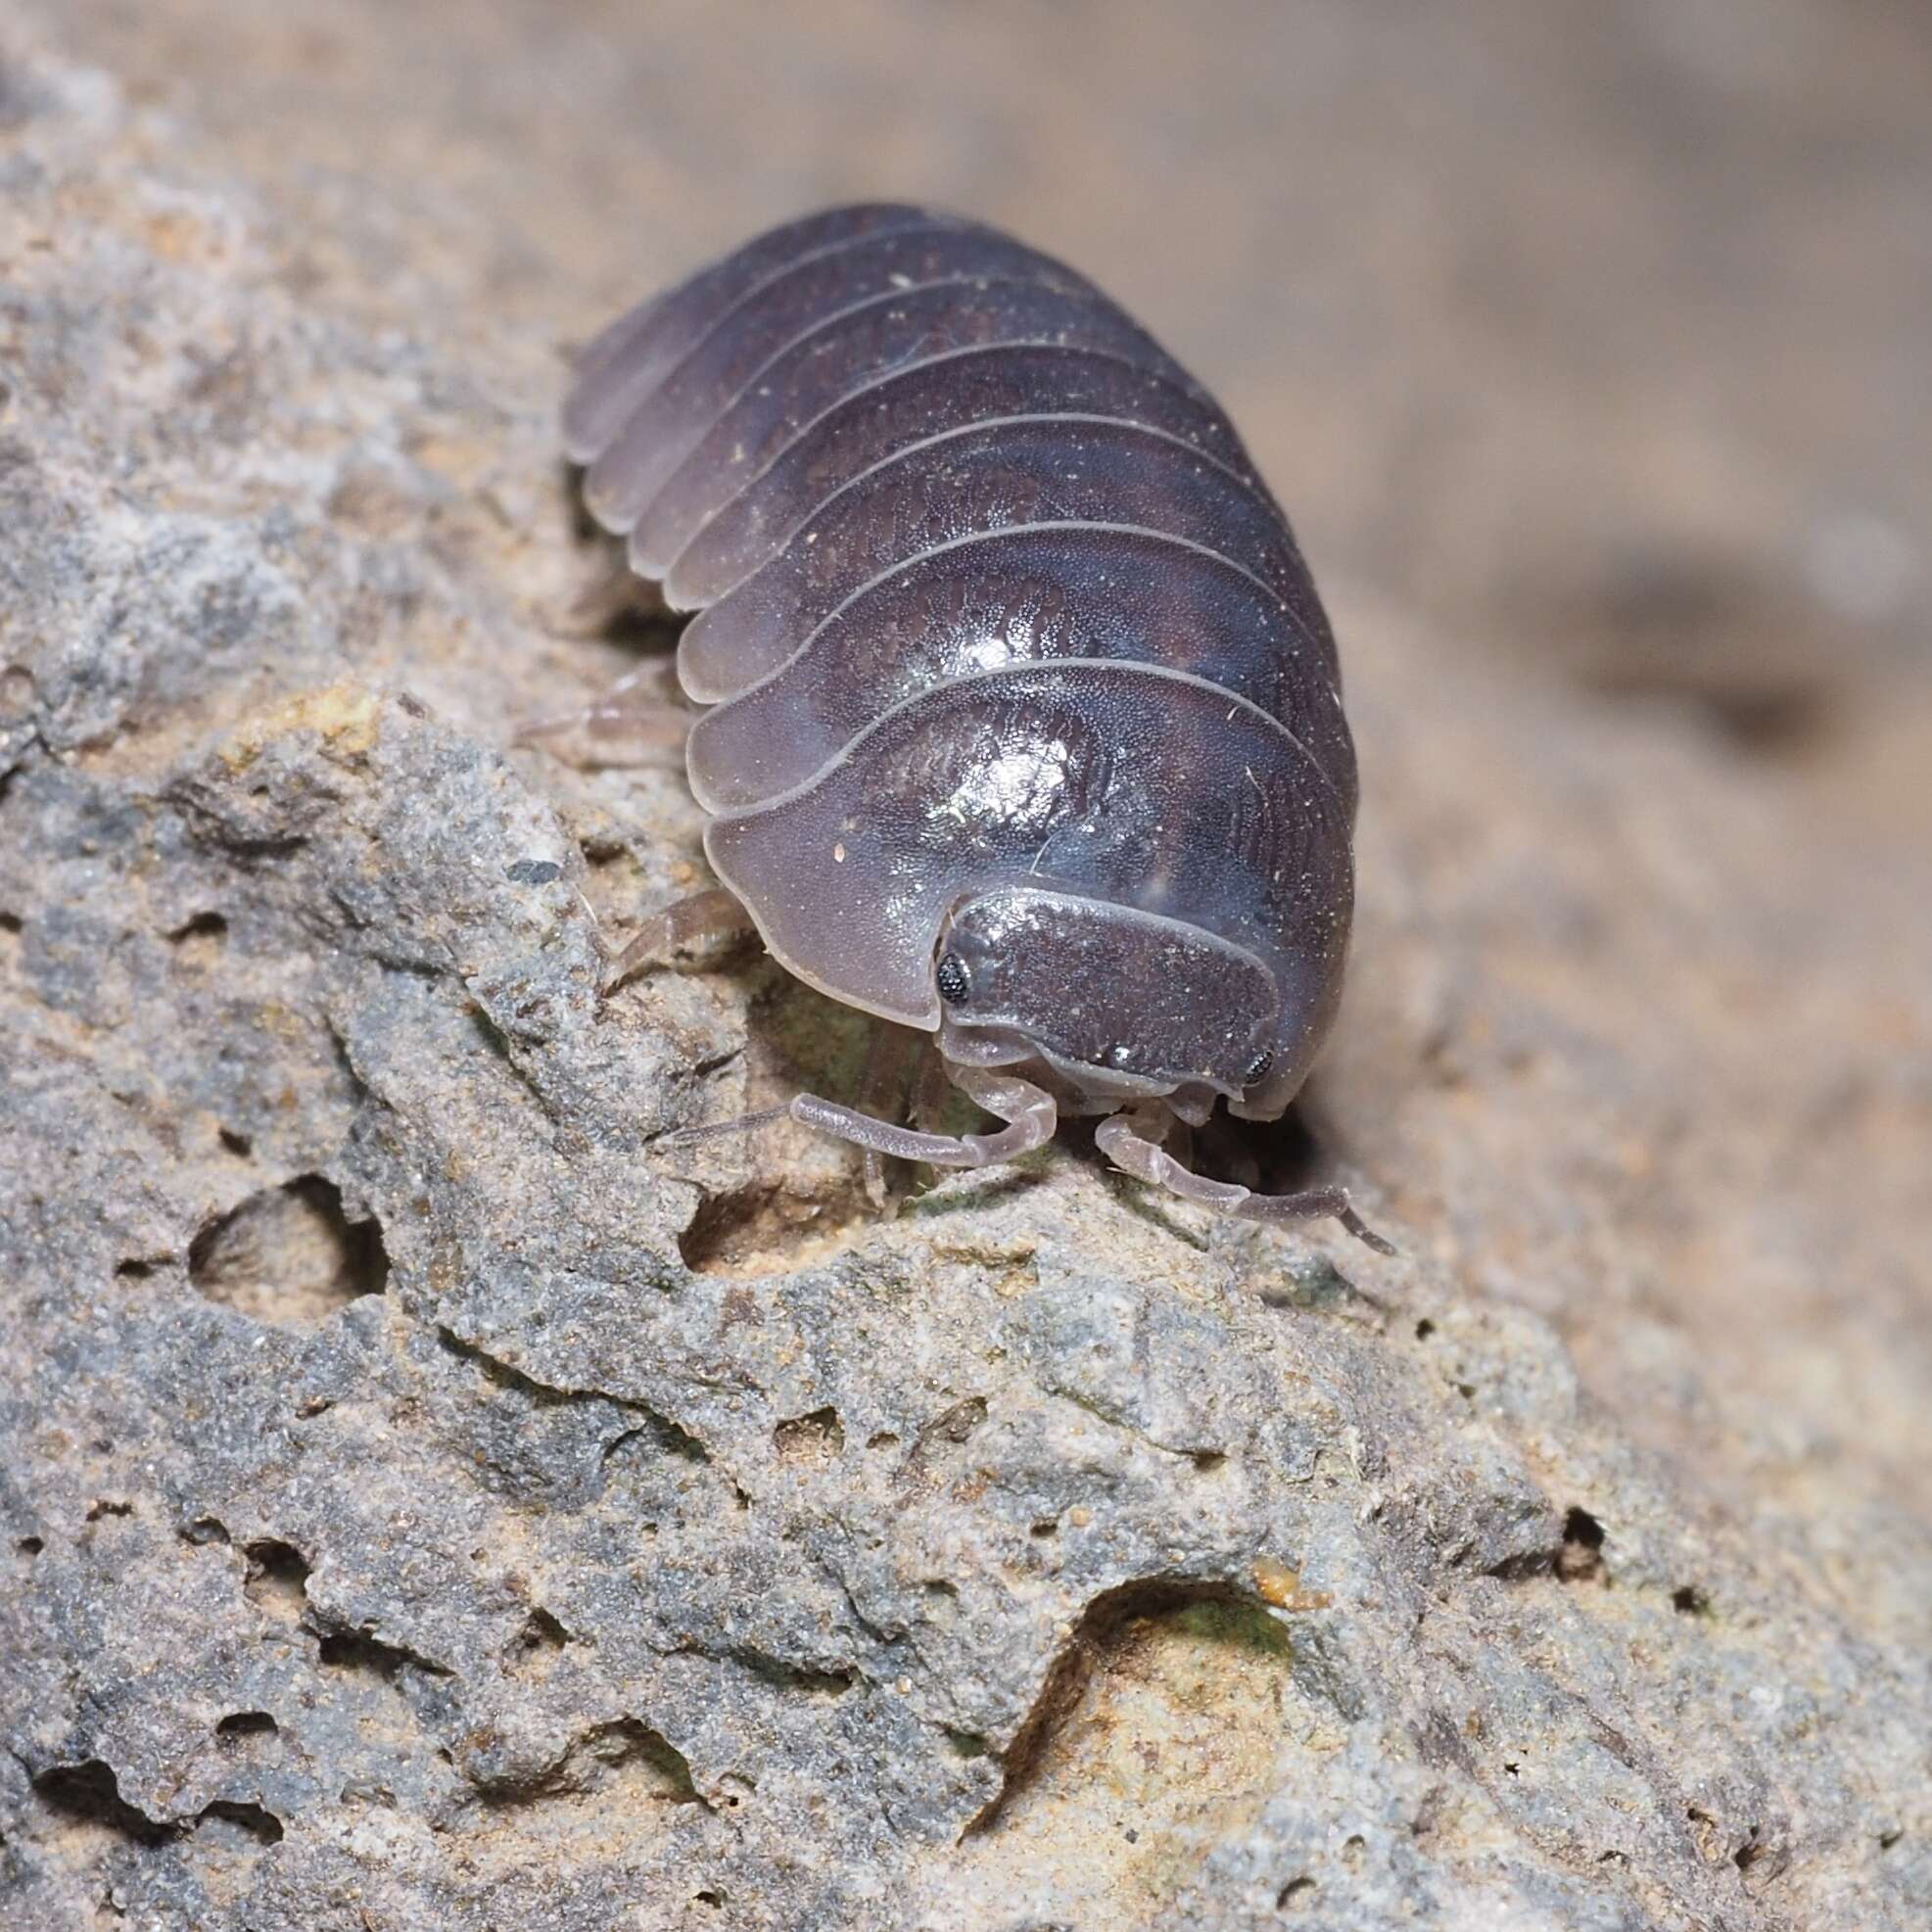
1580	1556
953	1425
506	1375
505	1051
365	1654
956	1424
799	1678
671	1436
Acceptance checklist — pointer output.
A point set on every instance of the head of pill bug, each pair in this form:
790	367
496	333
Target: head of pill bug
1116	1001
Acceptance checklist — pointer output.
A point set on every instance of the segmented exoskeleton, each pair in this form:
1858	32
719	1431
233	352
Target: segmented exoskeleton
1026	728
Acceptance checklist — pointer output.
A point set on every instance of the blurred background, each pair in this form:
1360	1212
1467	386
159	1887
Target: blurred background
1588	344
1599	329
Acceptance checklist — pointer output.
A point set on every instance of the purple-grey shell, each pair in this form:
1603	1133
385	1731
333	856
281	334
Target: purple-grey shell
990	596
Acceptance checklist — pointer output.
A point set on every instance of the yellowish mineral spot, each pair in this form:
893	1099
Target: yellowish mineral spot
343	715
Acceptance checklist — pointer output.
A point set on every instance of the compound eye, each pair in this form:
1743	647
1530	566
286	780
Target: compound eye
1258	1068
954	983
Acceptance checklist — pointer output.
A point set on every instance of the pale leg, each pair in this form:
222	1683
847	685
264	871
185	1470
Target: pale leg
1027	1110
882	1087
930	1094
630	723
712	914
1117	1138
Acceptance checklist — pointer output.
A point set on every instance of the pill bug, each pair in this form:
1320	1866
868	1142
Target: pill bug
1025	724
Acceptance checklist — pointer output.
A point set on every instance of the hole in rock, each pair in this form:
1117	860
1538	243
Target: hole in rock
536	1645
250	1820
246	1724
817	1438
89	1794
277	1577
1164	1718
542	1631
757	1229
617	1766
199	940
1581	1555
362	1655
288	1255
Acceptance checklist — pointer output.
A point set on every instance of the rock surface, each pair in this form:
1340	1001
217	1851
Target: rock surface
428	1499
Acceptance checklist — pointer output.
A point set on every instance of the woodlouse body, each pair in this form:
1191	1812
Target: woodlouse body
1026	728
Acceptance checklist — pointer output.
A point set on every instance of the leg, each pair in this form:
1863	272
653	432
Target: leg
1029	1115
1028	1112
930	1090
1145	1160
713	914
626	726
882	1087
